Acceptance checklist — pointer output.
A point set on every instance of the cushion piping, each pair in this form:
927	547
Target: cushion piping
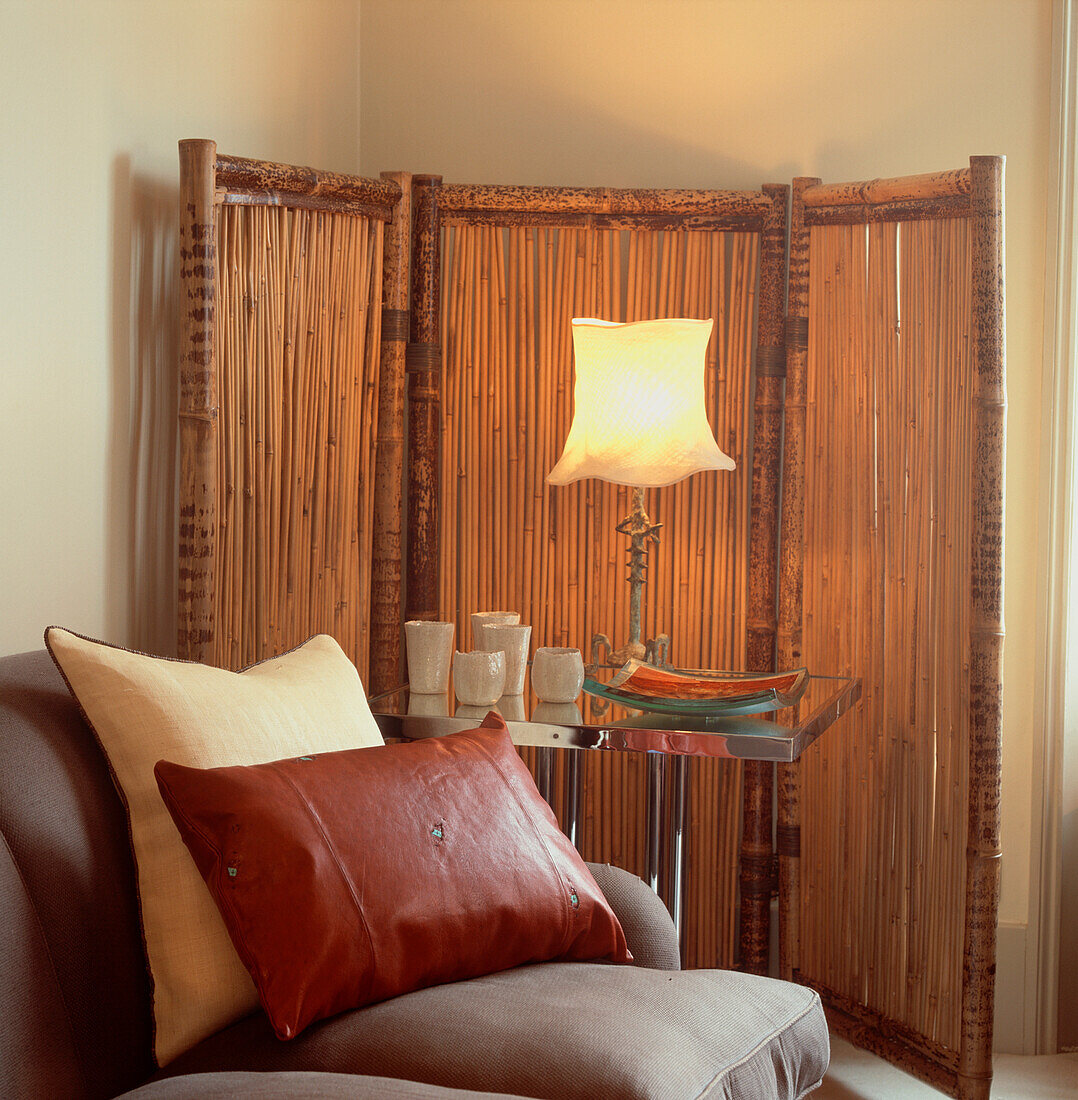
766	1041
118	787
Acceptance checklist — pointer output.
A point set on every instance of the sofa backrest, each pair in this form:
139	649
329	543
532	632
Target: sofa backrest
74	990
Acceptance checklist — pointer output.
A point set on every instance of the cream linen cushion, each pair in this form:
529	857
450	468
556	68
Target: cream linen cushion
144	709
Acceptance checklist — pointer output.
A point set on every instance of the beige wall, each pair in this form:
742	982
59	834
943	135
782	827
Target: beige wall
735	93
95	96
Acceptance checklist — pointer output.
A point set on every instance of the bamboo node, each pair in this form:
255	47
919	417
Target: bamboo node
423	358
797	331
395	324
771	362
788	840
987	854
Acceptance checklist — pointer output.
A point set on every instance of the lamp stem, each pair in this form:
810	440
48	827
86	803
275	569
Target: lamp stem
638	524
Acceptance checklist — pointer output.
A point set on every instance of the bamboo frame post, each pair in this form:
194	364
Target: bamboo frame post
424	369
767	435
386	571
986	635
197	403
791	569
756	858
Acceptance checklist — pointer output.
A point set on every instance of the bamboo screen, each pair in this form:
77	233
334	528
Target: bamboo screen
510	541
887	597
299	315
282	273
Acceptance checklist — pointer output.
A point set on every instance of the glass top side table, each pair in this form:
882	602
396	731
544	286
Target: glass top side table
593	723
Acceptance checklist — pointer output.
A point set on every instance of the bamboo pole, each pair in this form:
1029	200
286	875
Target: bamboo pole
516	203
274	412
198	428
881	191
762	571
789	635
423	366
986	637
386	571
265	183
291	261
453	307
918	210
357	586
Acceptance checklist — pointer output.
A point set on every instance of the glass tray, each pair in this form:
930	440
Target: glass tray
750	702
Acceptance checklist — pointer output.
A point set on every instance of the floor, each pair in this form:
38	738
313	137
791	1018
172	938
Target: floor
857	1075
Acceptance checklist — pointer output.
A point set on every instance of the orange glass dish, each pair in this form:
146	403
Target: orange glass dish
667	683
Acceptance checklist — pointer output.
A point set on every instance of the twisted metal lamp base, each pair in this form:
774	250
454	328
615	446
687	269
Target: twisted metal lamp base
655	651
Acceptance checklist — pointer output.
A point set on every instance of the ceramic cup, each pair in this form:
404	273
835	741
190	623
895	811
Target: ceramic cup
430	649
511	708
482	619
557	714
466	710
479	677
513	641
557	674
436	706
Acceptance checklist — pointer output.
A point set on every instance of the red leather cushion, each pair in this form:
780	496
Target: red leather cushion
351	877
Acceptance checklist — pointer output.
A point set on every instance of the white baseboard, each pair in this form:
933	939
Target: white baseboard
1013	1032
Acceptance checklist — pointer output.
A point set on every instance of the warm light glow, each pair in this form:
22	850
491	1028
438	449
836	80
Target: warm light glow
639	415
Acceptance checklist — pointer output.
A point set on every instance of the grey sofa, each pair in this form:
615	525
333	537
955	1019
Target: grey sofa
76	1000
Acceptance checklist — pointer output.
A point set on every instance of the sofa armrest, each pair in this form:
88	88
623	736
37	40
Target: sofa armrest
649	930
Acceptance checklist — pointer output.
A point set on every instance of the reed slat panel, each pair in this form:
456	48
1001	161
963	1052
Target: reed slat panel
887	596
510	541
298	329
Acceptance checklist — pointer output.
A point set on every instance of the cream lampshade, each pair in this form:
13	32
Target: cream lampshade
639	415
639	419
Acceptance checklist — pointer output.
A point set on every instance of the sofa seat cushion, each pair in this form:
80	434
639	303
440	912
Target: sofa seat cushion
297	1086
563	1031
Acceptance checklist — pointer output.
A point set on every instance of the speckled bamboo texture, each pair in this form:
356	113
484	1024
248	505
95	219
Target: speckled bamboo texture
508	540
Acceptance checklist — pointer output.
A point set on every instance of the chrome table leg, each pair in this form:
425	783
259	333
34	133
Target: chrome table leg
656	772
677	838
544	765
574	798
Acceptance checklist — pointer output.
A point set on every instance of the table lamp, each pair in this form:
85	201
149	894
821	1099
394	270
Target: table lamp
639	419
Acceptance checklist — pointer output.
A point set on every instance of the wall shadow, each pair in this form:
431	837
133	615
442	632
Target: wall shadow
143	466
